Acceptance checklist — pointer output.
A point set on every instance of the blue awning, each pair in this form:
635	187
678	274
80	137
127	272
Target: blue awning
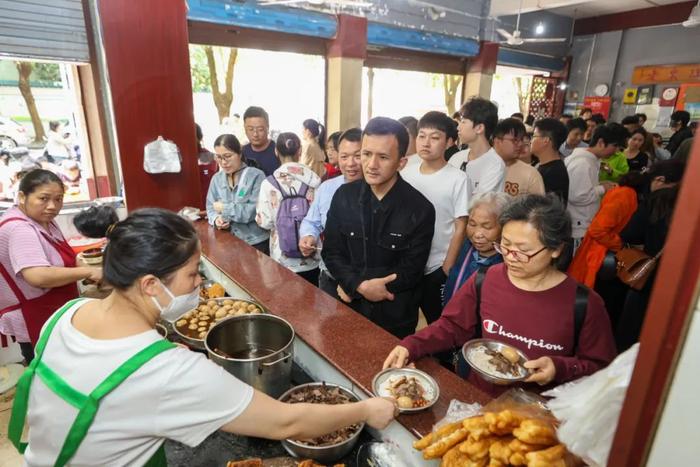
290	21
422	41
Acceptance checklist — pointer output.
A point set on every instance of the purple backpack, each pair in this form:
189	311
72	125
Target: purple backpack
291	212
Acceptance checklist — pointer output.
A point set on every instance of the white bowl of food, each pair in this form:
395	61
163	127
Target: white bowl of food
414	390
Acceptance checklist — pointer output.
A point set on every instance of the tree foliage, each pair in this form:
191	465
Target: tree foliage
201	81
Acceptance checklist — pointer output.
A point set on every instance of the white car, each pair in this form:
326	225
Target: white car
12	134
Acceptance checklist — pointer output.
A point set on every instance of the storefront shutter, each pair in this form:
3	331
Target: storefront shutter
43	29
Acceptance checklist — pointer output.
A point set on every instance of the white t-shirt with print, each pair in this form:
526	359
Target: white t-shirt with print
178	395
484	174
447	190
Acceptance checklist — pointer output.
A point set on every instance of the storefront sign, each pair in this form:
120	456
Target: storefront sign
645	95
599	105
666	74
668	97
630	97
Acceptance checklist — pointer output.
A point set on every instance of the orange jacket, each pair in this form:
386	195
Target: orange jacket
616	209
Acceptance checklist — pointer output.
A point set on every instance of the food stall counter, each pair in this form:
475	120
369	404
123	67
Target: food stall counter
334	342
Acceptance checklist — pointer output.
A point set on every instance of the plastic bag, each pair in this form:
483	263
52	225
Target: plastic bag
161	156
589	408
457	411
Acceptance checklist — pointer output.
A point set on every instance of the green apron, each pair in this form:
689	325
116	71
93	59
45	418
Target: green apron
87	404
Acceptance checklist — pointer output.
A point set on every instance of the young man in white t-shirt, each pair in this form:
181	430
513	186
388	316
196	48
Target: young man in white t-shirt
521	178
446	188
484	168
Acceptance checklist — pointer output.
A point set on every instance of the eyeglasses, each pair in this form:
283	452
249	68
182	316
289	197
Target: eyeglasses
225	157
515	141
256	129
519	256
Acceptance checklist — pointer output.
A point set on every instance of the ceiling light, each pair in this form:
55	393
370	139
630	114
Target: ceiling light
539	29
694	18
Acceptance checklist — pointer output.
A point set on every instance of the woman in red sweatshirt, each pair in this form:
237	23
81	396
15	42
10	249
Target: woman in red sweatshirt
526	302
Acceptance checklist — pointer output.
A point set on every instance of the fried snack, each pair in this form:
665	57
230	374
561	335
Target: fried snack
546	457
518	459
245	463
533	431
477	427
496	463
440	447
501	451
454	458
503	423
430	438
477	449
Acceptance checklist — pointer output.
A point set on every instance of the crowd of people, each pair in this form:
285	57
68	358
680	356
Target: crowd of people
405	217
490	227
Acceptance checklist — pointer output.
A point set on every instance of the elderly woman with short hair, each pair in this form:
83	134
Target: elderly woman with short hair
478	252
526	302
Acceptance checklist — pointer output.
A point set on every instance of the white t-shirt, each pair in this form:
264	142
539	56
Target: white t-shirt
178	395
447	190
484	174
412	159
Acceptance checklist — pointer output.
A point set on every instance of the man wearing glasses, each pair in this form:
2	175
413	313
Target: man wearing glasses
260	149
521	178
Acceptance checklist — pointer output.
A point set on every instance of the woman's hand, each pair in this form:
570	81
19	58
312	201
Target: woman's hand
218	206
220	223
94	275
398	358
380	412
543	372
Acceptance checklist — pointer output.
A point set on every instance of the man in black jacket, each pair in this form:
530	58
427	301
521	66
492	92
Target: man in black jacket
378	233
679	122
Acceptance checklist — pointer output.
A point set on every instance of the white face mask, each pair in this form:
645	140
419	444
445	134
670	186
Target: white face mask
178	305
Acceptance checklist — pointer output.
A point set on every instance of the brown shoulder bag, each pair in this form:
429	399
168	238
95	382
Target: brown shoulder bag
634	266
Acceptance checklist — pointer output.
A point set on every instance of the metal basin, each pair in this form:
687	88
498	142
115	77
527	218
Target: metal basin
323	454
256	348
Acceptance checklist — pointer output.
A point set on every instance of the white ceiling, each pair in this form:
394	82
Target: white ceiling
575	8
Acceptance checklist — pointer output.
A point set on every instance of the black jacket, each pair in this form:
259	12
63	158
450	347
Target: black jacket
365	238
677	138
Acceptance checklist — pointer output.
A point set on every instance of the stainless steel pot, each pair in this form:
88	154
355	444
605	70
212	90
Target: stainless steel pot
323	454
257	349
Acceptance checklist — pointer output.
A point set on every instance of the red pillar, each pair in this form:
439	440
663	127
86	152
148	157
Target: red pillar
146	48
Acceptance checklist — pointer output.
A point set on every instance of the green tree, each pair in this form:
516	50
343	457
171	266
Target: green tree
201	81
46	72
25	71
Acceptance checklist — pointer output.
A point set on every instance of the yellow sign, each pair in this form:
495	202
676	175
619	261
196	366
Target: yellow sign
630	96
666	74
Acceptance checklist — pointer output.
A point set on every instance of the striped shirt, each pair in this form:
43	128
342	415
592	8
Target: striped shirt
23	246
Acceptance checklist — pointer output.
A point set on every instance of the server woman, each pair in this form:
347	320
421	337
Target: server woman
106	389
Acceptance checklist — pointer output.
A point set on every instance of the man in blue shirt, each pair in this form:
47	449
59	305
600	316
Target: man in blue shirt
349	148
260	149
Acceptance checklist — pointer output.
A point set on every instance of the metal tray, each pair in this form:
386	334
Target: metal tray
432	390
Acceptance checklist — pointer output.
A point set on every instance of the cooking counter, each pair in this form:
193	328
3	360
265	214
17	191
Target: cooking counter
335	343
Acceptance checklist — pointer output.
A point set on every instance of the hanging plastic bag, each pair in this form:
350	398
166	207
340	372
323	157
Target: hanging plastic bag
161	156
589	408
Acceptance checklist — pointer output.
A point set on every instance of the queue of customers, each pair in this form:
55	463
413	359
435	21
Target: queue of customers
503	240
420	206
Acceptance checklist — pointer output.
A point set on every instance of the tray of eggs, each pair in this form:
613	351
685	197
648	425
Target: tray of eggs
193	326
